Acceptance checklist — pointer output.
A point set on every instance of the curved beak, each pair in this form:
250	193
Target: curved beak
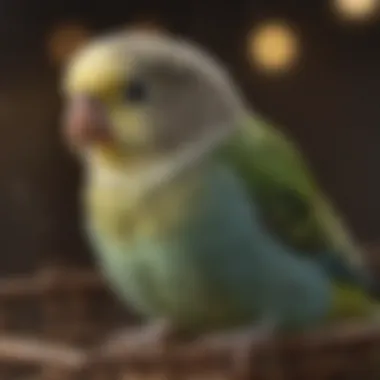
85	122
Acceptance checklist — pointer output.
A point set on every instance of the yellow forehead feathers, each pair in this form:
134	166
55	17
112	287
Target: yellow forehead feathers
97	70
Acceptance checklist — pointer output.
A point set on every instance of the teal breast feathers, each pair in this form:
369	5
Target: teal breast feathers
211	264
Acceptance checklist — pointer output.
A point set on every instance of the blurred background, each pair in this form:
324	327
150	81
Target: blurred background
312	67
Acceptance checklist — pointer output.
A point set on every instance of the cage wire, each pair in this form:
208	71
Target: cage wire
58	324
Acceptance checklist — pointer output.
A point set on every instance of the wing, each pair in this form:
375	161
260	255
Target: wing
292	205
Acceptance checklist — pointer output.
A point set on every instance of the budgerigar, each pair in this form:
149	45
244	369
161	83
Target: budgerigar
202	214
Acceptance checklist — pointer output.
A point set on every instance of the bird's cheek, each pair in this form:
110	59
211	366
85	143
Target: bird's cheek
132	127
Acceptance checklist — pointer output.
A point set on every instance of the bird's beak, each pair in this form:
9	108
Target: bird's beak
86	123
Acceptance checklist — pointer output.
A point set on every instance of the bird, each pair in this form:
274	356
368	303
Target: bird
203	216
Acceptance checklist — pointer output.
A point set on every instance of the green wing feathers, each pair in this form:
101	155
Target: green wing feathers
295	209
292	205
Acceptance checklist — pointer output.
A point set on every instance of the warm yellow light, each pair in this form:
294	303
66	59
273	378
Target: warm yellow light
65	39
356	9
273	46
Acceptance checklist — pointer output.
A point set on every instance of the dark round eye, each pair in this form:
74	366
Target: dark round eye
136	91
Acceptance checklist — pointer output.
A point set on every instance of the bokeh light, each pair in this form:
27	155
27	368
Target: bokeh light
65	39
273	46
356	10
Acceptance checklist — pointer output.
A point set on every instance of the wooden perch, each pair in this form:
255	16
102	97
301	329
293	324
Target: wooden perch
208	349
329	347
202	354
33	351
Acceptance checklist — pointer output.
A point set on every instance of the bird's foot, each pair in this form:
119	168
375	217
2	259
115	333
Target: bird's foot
156	336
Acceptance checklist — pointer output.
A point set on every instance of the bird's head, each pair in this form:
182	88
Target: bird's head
135	95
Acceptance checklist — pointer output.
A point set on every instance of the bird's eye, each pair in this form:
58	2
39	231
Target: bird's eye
136	91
